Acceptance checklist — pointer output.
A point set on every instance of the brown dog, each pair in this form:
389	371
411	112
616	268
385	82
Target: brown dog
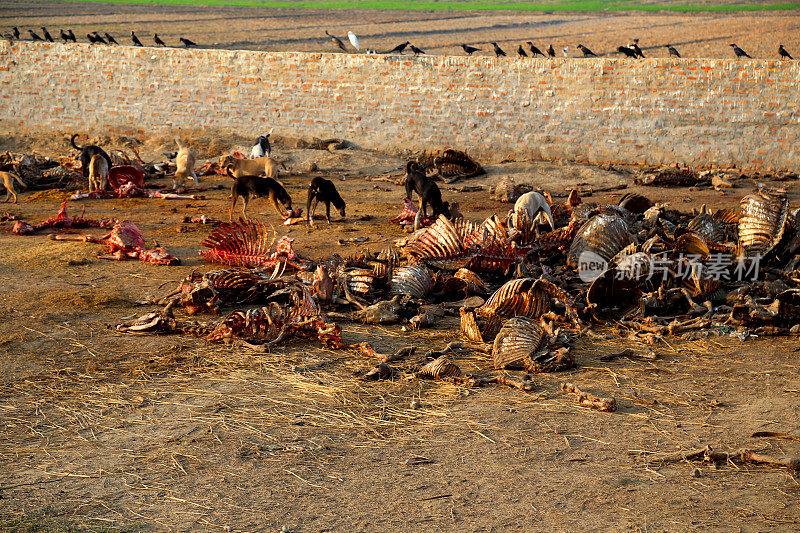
184	160
265	166
98	173
248	185
8	181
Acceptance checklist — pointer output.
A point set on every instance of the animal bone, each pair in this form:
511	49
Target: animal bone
588	400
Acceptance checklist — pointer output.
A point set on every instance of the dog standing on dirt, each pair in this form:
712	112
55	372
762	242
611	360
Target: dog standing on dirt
98	173
426	188
86	154
322	190
184	161
8	181
249	185
262	147
256	167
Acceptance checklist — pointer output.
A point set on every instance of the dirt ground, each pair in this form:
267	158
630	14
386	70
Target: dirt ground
109	432
436	32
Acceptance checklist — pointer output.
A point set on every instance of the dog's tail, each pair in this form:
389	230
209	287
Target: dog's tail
72	142
229	172
16	177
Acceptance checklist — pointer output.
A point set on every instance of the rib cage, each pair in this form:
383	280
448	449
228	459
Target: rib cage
439	368
762	221
243	243
604	235
519	340
413	280
438	242
450	164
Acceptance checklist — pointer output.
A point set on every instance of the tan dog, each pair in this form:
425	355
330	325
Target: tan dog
98	173
251	167
185	163
8	181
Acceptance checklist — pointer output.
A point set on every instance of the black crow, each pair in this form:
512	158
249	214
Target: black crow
47	36
399	48
65	36
629	52
110	39
416	50
335	40
497	50
535	51
586	51
739	52
521	52
783	53
16	32
34	36
187	43
135	40
92	38
98	38
72	36
470	49
672	51
551	52
635	47
157	40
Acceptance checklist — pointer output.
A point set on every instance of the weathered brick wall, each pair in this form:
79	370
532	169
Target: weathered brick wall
701	112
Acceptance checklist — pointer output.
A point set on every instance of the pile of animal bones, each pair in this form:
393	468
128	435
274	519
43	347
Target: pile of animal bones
524	286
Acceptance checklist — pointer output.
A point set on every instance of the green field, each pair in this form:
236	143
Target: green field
483	5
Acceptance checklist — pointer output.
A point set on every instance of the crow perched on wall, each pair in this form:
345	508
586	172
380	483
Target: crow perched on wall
470	49
635	47
783	53
739	52
497	50
535	51
673	52
135	39
629	52
398	49
157	40
586	51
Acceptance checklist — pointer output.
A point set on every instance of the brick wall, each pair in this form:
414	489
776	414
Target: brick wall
701	112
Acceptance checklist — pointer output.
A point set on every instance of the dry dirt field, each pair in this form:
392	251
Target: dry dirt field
103	431
436	32
107	432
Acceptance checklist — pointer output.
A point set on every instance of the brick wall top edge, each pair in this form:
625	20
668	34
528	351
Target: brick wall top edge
22	46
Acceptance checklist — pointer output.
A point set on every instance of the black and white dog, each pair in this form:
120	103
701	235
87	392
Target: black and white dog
262	147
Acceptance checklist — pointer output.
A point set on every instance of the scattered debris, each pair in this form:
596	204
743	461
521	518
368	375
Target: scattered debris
588	400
